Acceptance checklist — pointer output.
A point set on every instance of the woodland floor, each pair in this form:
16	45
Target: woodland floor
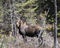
18	42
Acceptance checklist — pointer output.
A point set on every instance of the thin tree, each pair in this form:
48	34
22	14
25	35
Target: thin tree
55	25
13	16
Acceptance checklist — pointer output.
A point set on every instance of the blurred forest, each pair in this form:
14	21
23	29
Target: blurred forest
40	12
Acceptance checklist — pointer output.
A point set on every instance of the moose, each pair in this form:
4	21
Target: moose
29	30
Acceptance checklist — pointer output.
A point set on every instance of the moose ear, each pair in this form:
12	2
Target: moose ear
17	24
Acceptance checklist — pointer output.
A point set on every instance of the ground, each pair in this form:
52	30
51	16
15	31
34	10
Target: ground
18	42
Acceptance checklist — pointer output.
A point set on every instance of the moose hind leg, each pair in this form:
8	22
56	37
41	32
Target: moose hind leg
40	40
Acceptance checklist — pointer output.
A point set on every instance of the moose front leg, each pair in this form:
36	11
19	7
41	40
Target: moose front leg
24	38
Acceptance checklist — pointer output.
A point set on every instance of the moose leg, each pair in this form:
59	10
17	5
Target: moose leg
40	38
24	38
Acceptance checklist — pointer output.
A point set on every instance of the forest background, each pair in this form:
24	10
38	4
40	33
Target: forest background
32	10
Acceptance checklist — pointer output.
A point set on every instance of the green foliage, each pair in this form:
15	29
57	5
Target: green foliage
30	9
58	23
27	9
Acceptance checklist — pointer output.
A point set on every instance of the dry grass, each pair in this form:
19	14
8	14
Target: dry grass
18	42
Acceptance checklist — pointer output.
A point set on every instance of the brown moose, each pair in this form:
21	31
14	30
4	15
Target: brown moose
29	30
